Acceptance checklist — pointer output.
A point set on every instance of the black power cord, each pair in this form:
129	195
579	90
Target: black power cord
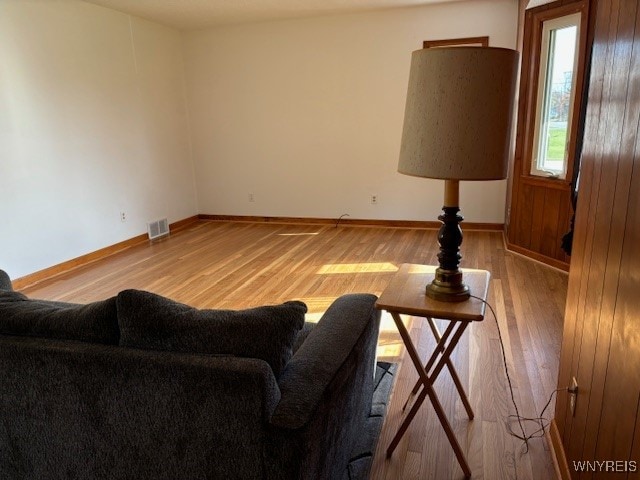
541	421
341	217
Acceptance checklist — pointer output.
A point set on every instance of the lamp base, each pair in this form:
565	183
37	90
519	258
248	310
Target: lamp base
447	286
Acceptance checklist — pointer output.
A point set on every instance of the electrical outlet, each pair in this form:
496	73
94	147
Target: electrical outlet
123	217
251	198
374	199
573	395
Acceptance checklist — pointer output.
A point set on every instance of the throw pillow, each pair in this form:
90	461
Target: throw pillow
5	281
95	322
154	322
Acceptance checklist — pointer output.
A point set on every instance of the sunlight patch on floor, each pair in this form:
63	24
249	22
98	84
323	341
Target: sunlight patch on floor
390	346
316	306
422	268
313	317
298	234
357	268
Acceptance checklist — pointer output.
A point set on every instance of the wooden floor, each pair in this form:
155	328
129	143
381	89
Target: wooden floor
236	265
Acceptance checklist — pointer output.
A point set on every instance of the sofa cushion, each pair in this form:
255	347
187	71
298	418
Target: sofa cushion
95	322
150	321
5	281
302	335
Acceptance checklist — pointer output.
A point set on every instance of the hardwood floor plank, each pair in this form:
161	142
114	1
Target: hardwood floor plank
240	265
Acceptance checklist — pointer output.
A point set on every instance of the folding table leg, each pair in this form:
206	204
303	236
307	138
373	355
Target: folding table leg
427	381
437	352
441	340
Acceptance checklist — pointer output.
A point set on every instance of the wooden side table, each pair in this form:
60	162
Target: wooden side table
405	294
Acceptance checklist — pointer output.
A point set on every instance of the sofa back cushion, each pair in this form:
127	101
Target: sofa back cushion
150	321
95	322
5	281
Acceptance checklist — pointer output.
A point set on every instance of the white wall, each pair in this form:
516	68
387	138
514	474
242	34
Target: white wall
92	122
307	114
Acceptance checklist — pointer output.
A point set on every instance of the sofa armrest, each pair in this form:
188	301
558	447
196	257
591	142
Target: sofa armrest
309	373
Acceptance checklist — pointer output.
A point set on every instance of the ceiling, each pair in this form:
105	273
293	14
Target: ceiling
198	14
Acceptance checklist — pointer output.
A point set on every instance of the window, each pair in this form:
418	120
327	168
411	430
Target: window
555	96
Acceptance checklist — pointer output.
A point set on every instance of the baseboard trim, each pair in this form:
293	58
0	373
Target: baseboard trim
64	267
557	452
493	227
538	257
182	224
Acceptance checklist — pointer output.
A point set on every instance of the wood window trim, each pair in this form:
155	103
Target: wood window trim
534	20
457	42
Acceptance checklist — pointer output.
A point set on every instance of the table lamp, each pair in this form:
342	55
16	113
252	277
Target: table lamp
457	126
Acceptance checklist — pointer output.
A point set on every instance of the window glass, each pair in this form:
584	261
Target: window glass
558	63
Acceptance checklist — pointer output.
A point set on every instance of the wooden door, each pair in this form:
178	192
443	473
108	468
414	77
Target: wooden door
541	207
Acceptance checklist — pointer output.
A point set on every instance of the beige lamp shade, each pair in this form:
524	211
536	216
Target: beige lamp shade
457	123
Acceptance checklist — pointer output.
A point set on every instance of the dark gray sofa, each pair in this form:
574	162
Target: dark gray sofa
93	409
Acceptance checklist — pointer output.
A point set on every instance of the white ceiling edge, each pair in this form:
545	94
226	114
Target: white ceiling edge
202	14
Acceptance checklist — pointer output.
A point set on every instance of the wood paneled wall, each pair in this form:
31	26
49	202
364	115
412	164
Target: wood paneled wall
541	216
601	340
